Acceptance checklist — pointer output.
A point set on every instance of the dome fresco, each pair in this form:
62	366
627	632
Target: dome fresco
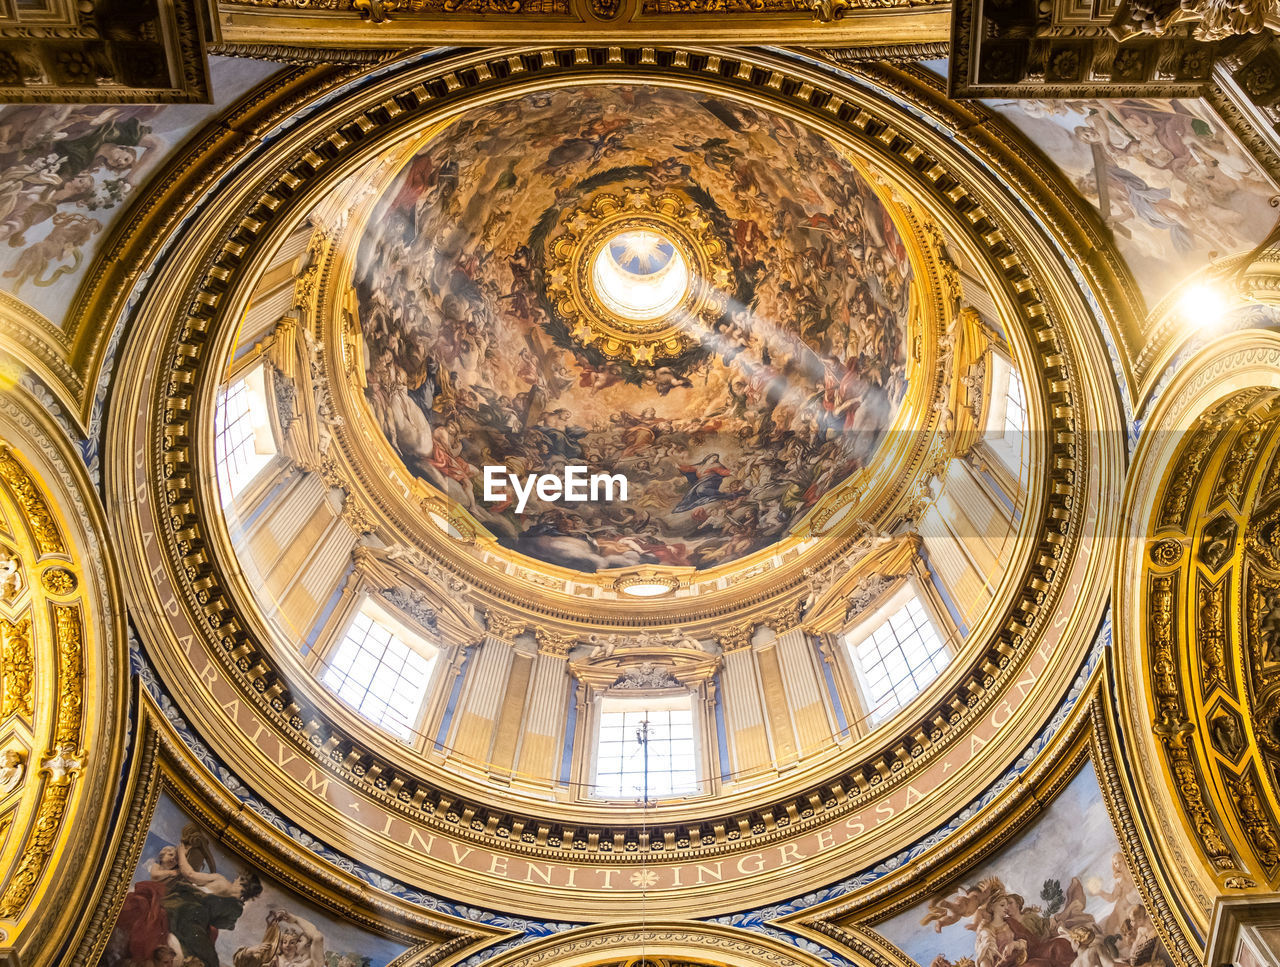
700	294
876	662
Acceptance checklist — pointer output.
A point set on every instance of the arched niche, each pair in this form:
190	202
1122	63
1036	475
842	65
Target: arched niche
1199	686
62	684
658	943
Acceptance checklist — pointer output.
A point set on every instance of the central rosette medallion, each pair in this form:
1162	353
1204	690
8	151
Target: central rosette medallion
638	274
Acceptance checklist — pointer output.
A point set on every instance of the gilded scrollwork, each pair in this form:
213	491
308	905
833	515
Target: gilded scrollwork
1271	482
578	244
1264	539
60	767
1164	662
1213	20
1241	457
1202	721
823	11
27	494
375	11
383	11
1205	435
39	849
1267	725
1172	726
16	668
1211	626
1258	825
70	711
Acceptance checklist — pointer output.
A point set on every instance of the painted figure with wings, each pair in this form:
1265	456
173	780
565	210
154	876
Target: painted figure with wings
1008	933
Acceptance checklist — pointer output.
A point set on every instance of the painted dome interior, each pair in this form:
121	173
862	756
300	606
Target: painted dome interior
735	344
714	300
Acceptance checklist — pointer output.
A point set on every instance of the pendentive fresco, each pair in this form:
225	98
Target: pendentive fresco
67	171
1059	895
192	904
1172	184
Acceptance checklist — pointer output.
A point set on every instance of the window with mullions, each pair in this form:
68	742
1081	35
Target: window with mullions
243	442
1015	408
381	671
1007	421
671	746
897	658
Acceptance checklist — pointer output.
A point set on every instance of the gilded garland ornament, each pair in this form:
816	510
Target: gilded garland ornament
685	249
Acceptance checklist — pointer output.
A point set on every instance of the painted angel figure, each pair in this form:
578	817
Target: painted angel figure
289	941
1006	932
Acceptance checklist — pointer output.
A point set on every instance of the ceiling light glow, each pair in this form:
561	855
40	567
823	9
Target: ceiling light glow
640	275
1204	305
646	585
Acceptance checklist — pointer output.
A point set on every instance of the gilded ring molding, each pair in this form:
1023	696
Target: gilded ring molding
585	231
214	661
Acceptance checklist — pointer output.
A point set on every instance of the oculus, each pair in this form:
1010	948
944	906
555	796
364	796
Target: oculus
639	275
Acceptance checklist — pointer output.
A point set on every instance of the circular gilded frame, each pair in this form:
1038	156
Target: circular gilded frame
585	235
434	829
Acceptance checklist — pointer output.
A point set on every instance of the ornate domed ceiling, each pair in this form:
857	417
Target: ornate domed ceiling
804	331
700	296
834	680
696	293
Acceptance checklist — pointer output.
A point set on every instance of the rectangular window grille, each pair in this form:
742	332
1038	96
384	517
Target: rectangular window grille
898	659
238	456
1008	447
620	756
1015	410
379	675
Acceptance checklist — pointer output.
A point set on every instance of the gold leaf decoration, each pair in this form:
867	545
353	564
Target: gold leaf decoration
48	540
15	668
